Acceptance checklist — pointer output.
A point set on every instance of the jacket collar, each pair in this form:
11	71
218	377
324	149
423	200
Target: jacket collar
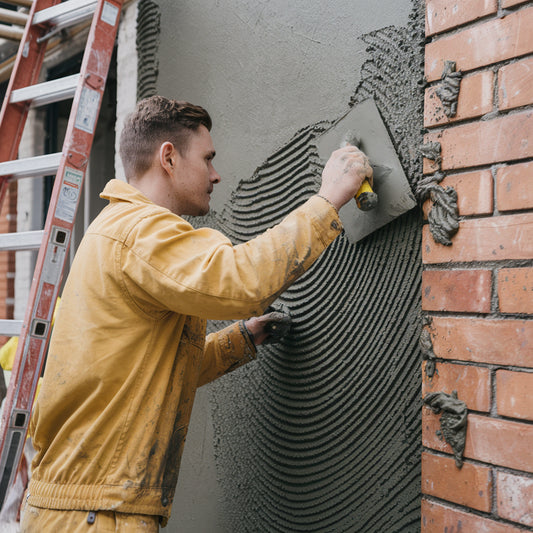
118	190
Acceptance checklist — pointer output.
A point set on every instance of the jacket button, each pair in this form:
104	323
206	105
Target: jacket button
164	501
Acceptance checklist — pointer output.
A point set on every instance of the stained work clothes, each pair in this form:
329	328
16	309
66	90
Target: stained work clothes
37	520
129	349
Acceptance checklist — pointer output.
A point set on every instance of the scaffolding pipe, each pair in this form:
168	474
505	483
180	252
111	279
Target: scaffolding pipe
22	3
11	32
13	17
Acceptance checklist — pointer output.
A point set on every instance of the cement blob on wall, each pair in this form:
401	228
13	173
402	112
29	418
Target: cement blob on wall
322	433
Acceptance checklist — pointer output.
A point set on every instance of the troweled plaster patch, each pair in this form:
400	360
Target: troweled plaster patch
265	68
322	433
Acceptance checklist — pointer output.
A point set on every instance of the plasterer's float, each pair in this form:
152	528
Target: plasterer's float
364	127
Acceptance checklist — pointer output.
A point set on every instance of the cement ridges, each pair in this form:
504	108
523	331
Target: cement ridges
322	433
308	422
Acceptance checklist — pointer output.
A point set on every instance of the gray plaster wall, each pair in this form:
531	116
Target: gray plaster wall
322	432
266	68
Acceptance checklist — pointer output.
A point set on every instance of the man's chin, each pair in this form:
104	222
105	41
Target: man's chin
200	212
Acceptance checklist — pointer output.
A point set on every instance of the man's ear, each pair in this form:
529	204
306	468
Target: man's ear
167	156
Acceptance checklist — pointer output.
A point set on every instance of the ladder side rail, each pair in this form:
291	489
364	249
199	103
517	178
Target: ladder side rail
36	328
26	72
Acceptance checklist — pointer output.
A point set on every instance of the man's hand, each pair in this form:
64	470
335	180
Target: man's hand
268	328
344	174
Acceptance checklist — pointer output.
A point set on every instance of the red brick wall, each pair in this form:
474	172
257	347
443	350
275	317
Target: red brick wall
478	292
8	224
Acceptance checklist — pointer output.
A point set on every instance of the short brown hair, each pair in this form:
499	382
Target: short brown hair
155	120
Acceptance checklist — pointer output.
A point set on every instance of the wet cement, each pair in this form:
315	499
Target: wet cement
322	433
443	216
147	44
448	91
453	421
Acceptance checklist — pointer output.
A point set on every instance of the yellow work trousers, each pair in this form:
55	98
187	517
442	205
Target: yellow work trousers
36	520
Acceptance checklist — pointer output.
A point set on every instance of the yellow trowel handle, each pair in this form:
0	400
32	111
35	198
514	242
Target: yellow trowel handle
366	198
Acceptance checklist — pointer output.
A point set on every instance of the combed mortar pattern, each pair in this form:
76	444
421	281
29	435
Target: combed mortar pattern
322	433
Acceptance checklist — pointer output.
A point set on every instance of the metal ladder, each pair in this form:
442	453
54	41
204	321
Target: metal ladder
46	18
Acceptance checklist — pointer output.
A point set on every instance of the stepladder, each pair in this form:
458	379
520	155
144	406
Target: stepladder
45	19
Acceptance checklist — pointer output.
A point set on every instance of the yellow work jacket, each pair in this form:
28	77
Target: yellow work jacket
128	349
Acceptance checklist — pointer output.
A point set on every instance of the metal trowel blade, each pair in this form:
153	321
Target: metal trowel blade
390	183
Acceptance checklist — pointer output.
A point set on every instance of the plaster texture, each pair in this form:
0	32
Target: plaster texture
322	432
265	68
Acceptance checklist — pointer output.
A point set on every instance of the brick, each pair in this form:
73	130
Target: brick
498	342
515	498
483	44
497	140
500	442
475	99
431	437
442	15
470	486
513	394
474	192
515	84
439	518
472	384
494	441
467	291
510	3
484	239
514	187
515	290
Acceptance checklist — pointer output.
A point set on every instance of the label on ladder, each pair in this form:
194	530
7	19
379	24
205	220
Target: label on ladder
70	192
88	110
55	254
110	13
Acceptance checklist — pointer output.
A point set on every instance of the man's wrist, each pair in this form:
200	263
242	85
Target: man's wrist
329	202
246	332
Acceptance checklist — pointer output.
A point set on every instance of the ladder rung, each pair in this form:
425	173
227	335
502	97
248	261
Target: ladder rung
23	240
41	165
13	17
66	13
10	328
47	92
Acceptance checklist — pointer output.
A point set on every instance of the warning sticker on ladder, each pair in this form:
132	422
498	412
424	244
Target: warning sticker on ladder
87	110
69	194
53	264
109	13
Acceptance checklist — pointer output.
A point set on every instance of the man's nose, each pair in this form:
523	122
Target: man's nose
215	176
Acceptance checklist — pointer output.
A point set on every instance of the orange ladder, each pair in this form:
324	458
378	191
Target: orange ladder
47	18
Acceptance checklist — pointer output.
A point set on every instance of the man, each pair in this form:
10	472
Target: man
128	349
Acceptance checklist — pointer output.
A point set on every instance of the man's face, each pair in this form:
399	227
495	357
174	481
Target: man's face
193	175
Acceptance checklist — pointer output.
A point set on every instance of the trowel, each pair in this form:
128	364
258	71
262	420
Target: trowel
364	127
